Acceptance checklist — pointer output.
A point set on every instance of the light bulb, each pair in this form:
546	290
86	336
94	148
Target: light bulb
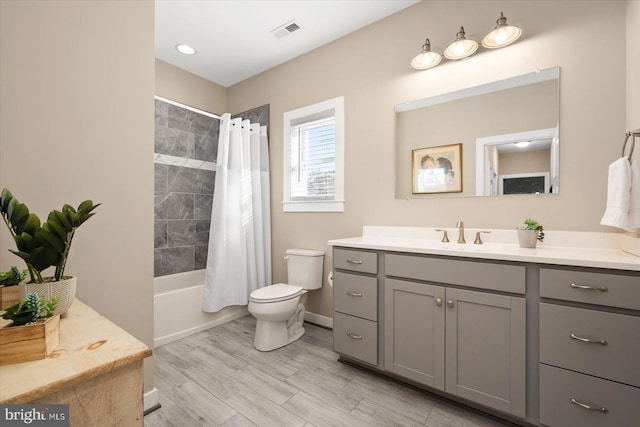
461	48
503	35
426	59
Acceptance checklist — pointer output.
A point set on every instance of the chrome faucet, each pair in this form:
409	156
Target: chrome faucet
460	227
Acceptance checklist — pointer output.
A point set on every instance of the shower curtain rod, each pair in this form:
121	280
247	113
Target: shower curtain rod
187	107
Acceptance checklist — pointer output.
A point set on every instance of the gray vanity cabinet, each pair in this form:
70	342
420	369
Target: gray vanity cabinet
355	300
589	357
414	331
466	342
542	344
486	349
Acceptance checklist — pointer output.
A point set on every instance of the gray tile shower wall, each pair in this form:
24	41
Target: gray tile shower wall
183	195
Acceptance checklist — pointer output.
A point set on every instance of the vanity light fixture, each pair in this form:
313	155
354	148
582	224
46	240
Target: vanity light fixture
185	49
503	35
461	48
426	59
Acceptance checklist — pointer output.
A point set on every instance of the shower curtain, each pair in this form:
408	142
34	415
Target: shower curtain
239	258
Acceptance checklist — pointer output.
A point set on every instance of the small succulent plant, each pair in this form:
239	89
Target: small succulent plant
12	277
532	224
30	310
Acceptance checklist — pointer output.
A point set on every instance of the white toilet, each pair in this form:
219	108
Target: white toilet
279	308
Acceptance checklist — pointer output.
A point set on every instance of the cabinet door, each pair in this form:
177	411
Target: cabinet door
414	331
486	357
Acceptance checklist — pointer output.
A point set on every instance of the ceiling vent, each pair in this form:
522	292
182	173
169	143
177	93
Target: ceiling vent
285	29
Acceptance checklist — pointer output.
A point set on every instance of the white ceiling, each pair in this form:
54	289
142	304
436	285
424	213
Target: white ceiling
232	37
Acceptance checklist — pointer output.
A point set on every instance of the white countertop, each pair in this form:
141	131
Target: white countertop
581	249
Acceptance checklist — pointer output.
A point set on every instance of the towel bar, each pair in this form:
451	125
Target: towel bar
635	133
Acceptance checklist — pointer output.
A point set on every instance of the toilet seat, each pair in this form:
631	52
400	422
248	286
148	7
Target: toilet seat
275	293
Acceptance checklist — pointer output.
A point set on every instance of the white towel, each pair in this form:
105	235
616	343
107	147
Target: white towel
618	194
634	202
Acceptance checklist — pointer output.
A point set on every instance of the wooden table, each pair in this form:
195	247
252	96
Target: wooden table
96	370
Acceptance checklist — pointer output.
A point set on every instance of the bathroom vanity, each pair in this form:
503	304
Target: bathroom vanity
545	336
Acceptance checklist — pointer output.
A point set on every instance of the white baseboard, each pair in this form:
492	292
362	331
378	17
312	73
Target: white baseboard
151	399
186	332
319	320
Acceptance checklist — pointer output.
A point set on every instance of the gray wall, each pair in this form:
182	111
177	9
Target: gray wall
184	195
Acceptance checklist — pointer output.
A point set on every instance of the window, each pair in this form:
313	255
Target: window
314	158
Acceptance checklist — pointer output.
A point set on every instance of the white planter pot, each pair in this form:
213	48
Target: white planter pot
64	289
528	238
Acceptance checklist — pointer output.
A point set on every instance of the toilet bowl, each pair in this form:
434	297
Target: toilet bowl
279	309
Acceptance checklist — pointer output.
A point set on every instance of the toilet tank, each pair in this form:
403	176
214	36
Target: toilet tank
304	268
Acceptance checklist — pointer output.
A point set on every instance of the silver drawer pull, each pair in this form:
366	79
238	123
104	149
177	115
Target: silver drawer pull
587	340
590	288
354	336
585	406
354	261
438	302
354	294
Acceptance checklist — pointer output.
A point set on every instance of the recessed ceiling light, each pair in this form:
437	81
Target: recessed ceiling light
522	144
185	49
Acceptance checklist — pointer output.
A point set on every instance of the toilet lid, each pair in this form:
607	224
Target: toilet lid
274	293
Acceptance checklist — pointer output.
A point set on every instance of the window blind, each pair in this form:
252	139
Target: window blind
312	160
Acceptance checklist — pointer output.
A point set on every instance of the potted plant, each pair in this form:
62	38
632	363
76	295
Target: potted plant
33	332
8	286
45	245
529	232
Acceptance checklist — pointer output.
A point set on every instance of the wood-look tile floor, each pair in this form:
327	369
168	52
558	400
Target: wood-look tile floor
217	378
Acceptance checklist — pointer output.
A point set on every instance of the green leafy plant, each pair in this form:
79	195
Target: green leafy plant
30	310
43	245
531	224
12	277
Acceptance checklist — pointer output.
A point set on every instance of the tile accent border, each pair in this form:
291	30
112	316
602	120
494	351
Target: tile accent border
166	159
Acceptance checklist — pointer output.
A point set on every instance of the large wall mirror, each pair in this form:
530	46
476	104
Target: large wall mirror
508	131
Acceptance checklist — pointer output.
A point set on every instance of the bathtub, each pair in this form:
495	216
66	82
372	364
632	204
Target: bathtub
177	303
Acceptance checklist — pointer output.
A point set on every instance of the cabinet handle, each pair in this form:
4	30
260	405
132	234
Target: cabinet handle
587	340
590	288
354	336
354	261
450	303
354	294
438	302
585	406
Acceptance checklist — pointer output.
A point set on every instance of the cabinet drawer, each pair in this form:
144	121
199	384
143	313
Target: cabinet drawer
499	277
617	360
559	386
355	337
355	295
354	260
619	290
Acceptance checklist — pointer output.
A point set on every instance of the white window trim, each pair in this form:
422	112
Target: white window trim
336	205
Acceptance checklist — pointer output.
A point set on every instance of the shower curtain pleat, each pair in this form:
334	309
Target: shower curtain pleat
239	238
